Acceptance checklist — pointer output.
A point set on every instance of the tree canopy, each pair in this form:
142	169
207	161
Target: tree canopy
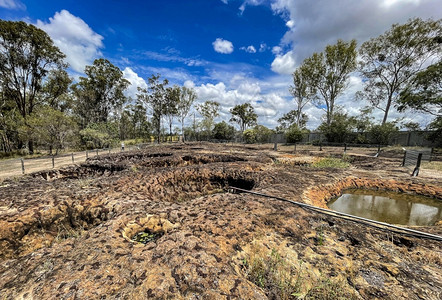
390	61
100	93
244	115
328	72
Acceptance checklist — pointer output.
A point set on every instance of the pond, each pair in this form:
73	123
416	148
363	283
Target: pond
389	207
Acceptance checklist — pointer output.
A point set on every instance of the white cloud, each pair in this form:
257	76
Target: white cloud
243	6
173	55
315	24
222	46
74	38
225	1
284	64
263	47
135	82
12	4
249	49
276	50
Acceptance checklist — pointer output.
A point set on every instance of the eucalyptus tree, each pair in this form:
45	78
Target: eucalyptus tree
328	73
390	61
27	54
187	98
155	96
171	107
101	93
244	115
303	91
209	110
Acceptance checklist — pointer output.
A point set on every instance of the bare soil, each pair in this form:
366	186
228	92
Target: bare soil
68	233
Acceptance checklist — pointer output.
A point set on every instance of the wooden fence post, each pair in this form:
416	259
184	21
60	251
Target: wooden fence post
22	166
53	162
72	157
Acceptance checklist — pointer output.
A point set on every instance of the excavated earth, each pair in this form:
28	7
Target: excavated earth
68	233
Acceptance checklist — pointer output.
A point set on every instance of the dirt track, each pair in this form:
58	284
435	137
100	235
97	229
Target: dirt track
66	234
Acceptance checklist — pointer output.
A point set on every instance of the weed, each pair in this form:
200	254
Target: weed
64	233
273	273
329	290
320	235
331	162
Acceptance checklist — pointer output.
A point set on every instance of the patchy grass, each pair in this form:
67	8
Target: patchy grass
330	290
432	165
281	279
273	273
331	162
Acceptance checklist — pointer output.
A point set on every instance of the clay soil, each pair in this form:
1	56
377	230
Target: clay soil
68	233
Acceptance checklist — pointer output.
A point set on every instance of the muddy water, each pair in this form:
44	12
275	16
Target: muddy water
389	207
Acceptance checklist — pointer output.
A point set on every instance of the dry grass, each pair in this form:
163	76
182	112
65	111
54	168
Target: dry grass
433	165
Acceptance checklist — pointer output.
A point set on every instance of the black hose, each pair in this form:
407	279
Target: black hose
336	214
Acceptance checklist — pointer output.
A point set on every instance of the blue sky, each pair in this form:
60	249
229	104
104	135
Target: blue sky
230	51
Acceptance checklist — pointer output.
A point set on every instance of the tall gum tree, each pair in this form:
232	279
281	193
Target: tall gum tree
27	54
243	114
389	62
303	92
328	72
100	93
155	97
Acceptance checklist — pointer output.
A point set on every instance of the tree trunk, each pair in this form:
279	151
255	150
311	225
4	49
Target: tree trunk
387	109
31	146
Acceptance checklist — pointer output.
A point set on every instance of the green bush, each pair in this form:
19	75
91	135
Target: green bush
294	134
249	136
223	131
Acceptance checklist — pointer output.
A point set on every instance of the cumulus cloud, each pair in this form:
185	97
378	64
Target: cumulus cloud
74	38
249	49
314	24
222	46
135	82
284	64
12	4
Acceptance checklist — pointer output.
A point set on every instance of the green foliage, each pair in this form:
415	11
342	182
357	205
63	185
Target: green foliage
249	136
173	95
304	91
209	110
187	97
244	115
390	61
331	162
27	53
223	131
424	93
100	93
55	90
262	134
295	117
340	128
328	72
52	129
100	135
294	134
381	134
155	97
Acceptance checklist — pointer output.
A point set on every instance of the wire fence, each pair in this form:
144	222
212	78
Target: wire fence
19	166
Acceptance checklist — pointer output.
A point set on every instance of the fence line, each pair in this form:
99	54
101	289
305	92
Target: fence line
20	166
